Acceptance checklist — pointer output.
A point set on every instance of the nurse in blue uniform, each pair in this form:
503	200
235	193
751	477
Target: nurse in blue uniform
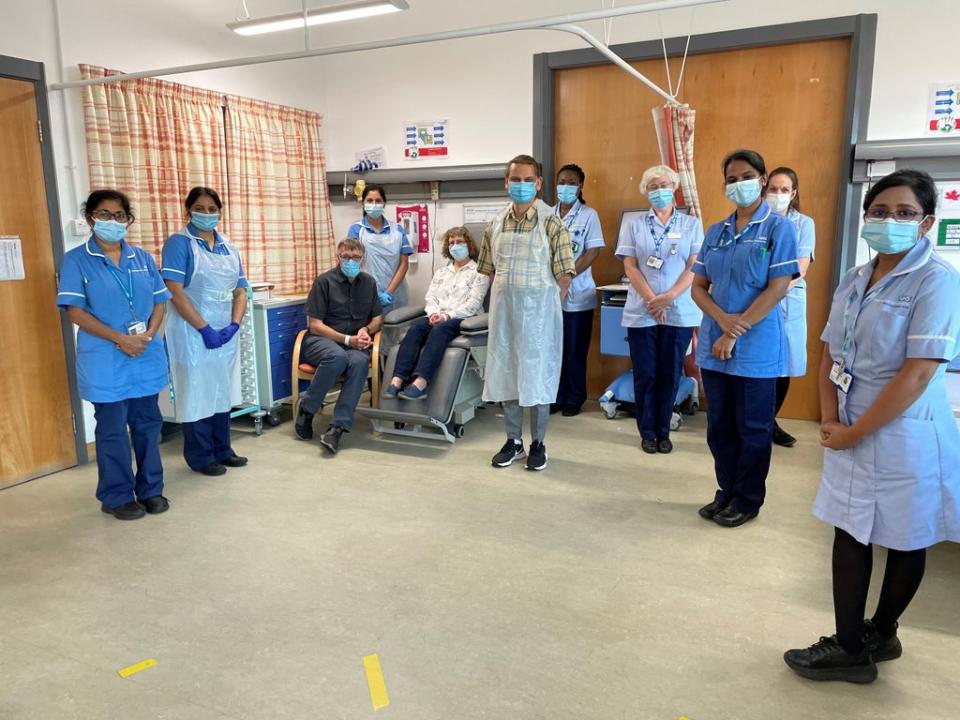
205	276
891	467
783	196
114	294
658	250
742	273
387	250
586	239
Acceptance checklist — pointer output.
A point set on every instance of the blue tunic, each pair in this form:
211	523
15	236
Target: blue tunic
794	305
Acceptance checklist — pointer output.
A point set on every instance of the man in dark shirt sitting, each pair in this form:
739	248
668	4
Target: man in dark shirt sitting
343	315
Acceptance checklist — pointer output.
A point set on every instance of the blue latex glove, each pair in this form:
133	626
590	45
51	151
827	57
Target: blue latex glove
227	333
386	298
211	338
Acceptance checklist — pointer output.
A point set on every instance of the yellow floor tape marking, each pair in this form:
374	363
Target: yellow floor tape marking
378	688
134	669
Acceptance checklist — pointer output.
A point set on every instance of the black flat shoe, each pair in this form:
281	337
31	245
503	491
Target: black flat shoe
708	512
649	446
213	470
570	411
664	446
782	438
881	647
127	511
234	461
827	660
554	408
156	504
733	518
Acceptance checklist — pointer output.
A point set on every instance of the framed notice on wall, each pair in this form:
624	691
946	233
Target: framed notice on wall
947	230
426	140
943	109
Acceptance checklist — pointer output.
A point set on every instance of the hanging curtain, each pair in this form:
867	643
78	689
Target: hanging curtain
153	140
675	126
276	181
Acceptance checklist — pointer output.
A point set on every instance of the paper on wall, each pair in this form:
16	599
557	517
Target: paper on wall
481	214
426	140
943	110
946	231
11	258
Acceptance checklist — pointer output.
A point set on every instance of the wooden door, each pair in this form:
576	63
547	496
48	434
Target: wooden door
785	101
36	424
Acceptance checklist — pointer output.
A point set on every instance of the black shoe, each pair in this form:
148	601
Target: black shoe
234	461
213	469
554	408
331	438
827	660
664	446
511	450
708	512
881	647
649	446
156	504
303	426
537	457
570	411
733	518
782	438
127	511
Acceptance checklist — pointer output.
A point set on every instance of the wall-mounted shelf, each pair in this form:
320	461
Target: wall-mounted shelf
456	182
938	156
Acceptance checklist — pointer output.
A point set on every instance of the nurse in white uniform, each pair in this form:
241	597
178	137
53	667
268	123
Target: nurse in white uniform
586	238
783	196
387	250
891	474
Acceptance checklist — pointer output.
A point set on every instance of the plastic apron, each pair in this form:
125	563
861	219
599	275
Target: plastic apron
381	259
202	378
525	344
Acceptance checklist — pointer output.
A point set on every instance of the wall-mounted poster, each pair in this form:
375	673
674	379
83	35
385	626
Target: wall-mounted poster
943	110
426	140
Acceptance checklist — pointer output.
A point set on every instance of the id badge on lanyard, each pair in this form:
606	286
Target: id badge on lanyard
839	374
841	377
134	326
655	261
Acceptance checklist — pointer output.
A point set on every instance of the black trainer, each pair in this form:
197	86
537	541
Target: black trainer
537	457
303	425
827	660
881	647
156	504
331	438
127	511
511	450
782	438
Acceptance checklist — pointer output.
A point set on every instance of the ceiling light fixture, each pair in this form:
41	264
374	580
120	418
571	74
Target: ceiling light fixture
320	16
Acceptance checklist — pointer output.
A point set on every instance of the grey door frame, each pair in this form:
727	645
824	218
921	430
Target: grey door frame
33	72
862	31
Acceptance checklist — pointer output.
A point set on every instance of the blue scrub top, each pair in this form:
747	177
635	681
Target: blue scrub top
177	260
89	280
680	241
739	269
583	225
354	232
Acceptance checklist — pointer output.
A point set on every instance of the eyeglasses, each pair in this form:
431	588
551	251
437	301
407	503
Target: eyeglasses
350	257
901	216
120	217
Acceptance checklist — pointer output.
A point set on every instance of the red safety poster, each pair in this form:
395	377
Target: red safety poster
415	222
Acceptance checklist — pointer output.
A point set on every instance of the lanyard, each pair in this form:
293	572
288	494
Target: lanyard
568	223
848	329
126	288
666	231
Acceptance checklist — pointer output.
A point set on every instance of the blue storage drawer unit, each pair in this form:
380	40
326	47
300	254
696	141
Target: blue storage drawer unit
279	321
613	336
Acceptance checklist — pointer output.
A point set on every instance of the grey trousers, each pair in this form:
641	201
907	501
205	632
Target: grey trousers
332	361
539	416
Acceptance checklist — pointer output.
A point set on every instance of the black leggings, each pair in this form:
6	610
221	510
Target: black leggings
783	385
852	565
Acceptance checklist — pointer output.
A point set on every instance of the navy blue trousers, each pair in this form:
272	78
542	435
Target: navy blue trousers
207	441
577	331
139	420
740	414
422	348
657	353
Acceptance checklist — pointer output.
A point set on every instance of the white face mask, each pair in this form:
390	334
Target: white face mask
779	203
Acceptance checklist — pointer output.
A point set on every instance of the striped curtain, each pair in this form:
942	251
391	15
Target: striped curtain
675	125
276	180
155	140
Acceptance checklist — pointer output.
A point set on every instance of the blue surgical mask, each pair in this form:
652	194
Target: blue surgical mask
350	268
204	221
374	210
459	252
889	237
660	198
522	191
110	231
567	194
745	192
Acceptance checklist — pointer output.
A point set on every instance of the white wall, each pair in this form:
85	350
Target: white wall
484	85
